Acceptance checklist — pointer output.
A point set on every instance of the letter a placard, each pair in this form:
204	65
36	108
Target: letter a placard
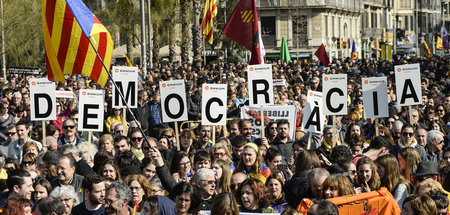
375	99
407	82
335	93
260	84
42	99
173	101
126	79
91	110
214	104
313	118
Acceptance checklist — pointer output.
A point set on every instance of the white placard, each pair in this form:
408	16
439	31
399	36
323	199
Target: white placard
64	94
42	99
375	100
91	110
173	101
279	82
214	104
313	118
126	79
334	89
272	113
407	84
260	84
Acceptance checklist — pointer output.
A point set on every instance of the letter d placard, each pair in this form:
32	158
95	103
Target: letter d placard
42	99
90	116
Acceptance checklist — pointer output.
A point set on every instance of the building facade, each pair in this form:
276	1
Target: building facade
306	24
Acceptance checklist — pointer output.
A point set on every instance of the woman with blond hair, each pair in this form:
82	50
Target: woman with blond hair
337	185
391	178
408	159
223	175
368	178
251	163
140	189
419	205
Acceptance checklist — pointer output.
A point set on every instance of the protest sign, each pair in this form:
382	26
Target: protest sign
214	104
407	83
173	101
272	113
42	99
375	97
260	84
313	118
126	79
91	114
334	89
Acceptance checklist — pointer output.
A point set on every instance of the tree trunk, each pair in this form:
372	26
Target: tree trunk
196	31
185	33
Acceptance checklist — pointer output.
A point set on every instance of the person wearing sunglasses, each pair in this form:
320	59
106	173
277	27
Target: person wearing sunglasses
205	180
408	139
136	143
70	134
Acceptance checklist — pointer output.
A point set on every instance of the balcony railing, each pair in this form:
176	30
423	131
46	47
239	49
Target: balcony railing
349	4
269	40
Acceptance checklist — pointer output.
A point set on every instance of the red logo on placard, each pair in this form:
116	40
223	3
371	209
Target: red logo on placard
116	70
251	68
163	85
399	69
366	82
326	78
310	93
83	93
33	83
206	88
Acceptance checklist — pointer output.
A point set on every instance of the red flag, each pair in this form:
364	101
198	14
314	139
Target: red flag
242	27
322	55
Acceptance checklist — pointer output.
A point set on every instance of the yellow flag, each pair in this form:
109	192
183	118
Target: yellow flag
439	43
127	61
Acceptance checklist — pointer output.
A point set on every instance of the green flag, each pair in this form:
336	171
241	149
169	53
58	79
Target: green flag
284	53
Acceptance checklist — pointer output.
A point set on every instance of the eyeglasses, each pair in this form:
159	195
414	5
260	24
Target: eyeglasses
118	131
440	142
408	134
210	182
68	126
273	128
440	110
235	186
390	122
136	138
25	163
11	133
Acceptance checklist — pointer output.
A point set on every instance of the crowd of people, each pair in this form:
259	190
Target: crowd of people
124	171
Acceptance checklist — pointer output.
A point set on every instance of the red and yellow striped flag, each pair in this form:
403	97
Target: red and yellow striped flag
428	50
207	23
127	61
67	26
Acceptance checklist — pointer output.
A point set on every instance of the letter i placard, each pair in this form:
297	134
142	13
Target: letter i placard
42	99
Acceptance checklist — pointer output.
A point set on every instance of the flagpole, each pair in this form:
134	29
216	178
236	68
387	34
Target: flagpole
118	91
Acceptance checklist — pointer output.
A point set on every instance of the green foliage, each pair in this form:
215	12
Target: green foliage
24	37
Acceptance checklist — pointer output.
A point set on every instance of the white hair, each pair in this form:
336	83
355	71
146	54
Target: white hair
433	135
84	150
202	173
68	191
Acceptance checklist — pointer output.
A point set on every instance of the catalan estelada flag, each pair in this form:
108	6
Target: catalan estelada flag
428	50
68	26
207	23
354	50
